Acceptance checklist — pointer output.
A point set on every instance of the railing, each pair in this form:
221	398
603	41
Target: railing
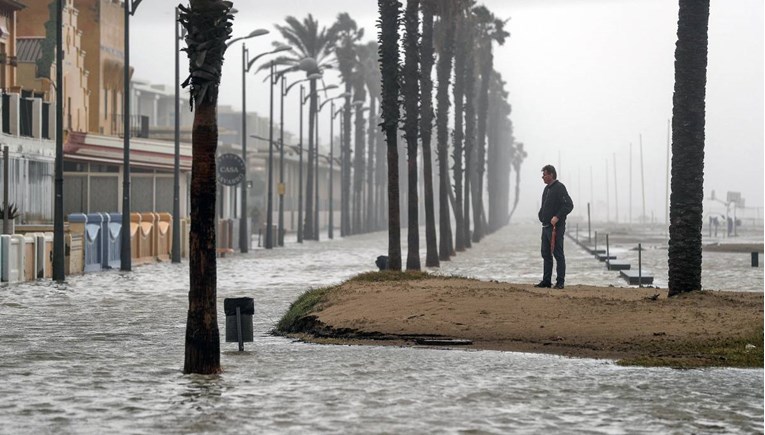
139	125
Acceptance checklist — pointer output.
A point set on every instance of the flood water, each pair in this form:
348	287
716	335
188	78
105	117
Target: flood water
103	353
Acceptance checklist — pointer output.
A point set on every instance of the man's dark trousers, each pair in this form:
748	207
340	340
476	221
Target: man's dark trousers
560	259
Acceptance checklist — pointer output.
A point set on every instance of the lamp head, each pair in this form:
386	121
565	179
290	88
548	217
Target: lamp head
258	32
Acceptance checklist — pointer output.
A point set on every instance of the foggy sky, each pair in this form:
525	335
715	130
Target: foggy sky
586	78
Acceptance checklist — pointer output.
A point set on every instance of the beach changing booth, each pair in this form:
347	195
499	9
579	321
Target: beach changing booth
12	268
112	240
92	241
91	258
163	235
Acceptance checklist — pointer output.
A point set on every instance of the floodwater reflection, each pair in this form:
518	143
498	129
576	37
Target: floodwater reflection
104	353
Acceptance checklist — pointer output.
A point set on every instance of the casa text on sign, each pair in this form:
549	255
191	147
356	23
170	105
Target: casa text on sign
230	169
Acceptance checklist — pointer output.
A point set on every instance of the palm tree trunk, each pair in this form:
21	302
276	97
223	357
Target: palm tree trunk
345	213
688	119
480	164
469	145
202	335
389	62
444	71
411	105
308	228
426	128
371	135
209	27
459	93
358	160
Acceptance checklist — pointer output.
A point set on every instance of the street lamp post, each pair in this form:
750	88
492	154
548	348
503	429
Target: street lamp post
332	115
330	232
176	249
280	237
58	202
300	152
125	260
269	203
247	63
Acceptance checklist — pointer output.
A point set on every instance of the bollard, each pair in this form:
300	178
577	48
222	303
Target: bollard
239	312
640	265
755	259
608	252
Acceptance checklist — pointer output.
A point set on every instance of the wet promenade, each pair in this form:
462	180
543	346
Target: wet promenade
103	353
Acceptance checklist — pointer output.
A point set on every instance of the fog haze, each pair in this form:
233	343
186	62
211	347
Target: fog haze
586	78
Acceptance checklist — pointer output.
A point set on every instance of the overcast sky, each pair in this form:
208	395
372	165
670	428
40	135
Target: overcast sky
586	78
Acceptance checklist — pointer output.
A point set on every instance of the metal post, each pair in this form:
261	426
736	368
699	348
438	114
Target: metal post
280	236
300	171
640	265
125	260
589	224
244	233
608	252
316	182
6	209
176	250
239	328
331	166
269	205
58	202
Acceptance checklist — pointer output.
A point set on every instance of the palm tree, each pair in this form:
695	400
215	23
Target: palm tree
308	41
370	62
389	67
348	36
500	149
208	23
359	96
469	144
411	90
444	72
489	29
688	118
426	129
458	90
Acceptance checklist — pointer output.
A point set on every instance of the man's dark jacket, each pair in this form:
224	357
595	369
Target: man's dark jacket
555	202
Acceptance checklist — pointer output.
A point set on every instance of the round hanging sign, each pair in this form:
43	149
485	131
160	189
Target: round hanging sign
230	169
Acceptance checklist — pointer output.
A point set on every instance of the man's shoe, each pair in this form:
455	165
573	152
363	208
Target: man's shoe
543	284
559	286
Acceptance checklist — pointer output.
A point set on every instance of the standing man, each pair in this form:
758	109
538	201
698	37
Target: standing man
556	205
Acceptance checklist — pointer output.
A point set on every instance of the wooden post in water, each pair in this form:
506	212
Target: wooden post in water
608	251
640	265
755	259
589	225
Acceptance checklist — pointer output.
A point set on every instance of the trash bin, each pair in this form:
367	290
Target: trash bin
241	330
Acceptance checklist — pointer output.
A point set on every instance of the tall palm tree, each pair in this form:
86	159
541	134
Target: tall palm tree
448	15
426	129
460	55
490	29
348	36
688	119
388	23
359	96
500	150
208	23
411	89
469	144
308	40
369	59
